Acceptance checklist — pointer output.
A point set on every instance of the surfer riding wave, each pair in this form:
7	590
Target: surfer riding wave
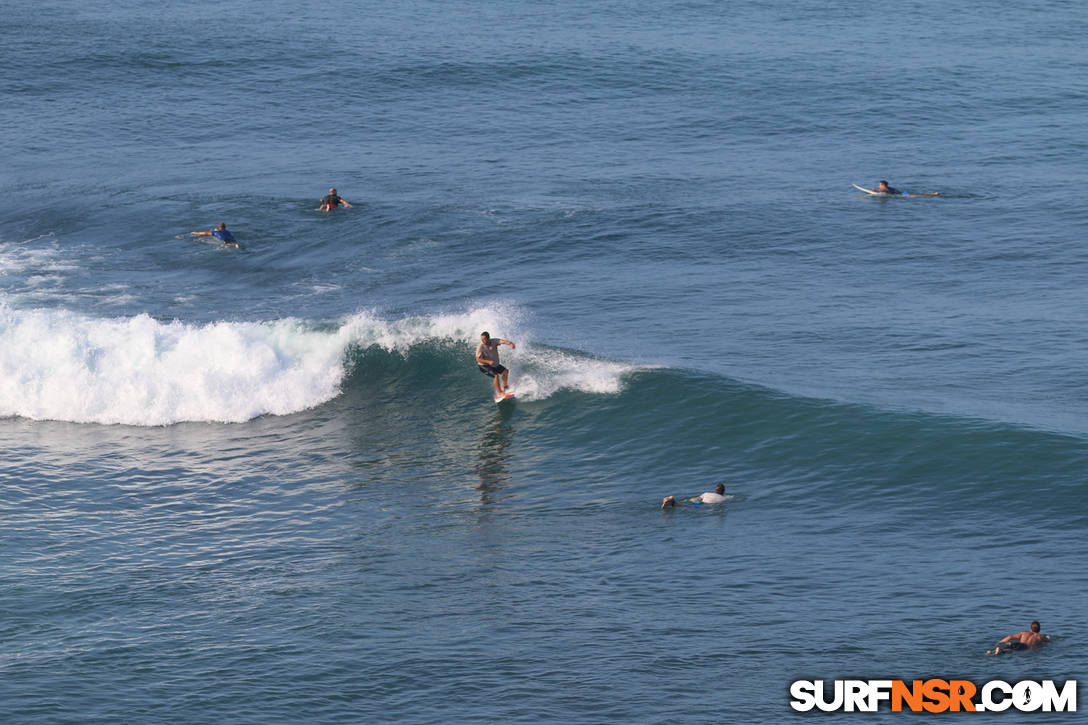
487	359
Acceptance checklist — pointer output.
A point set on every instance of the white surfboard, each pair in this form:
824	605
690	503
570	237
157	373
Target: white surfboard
502	397
870	192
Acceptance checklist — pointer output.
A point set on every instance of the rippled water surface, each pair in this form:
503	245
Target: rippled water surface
269	485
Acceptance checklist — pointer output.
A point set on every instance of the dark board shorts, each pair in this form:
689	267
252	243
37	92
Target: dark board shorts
492	370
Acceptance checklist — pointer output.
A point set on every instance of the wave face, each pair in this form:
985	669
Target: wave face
65	366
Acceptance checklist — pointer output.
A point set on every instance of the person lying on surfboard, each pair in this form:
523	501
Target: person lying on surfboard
331	201
221	233
487	359
883	188
1022	640
715	496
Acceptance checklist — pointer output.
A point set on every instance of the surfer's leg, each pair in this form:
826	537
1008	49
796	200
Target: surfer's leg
505	375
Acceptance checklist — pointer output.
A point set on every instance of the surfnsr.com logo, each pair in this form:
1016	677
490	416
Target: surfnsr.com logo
933	695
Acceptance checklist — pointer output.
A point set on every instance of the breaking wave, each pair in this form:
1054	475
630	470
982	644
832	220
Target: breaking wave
67	366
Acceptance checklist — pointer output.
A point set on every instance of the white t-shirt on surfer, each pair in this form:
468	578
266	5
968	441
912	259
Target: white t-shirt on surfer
711	497
489	351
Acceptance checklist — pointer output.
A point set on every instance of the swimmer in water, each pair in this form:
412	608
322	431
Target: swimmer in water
715	496
1022	640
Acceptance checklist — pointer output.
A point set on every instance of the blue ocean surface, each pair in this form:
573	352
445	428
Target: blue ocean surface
269	484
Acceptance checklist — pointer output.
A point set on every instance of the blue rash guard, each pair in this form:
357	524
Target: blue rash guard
223	235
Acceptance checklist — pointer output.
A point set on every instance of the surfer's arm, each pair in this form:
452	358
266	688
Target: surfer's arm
345	202
202	234
1010	638
507	342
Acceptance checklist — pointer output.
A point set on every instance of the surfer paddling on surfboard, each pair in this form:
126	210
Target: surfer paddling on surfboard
487	358
1030	639
885	190
715	496
331	201
221	233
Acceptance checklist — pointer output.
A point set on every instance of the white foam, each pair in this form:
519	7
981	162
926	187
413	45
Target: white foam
58	365
399	335
537	373
63	365
18	257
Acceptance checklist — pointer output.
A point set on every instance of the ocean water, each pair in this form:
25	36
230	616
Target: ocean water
269	484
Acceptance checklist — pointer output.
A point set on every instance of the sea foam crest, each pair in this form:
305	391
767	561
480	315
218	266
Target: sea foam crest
540	372
63	365
58	365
